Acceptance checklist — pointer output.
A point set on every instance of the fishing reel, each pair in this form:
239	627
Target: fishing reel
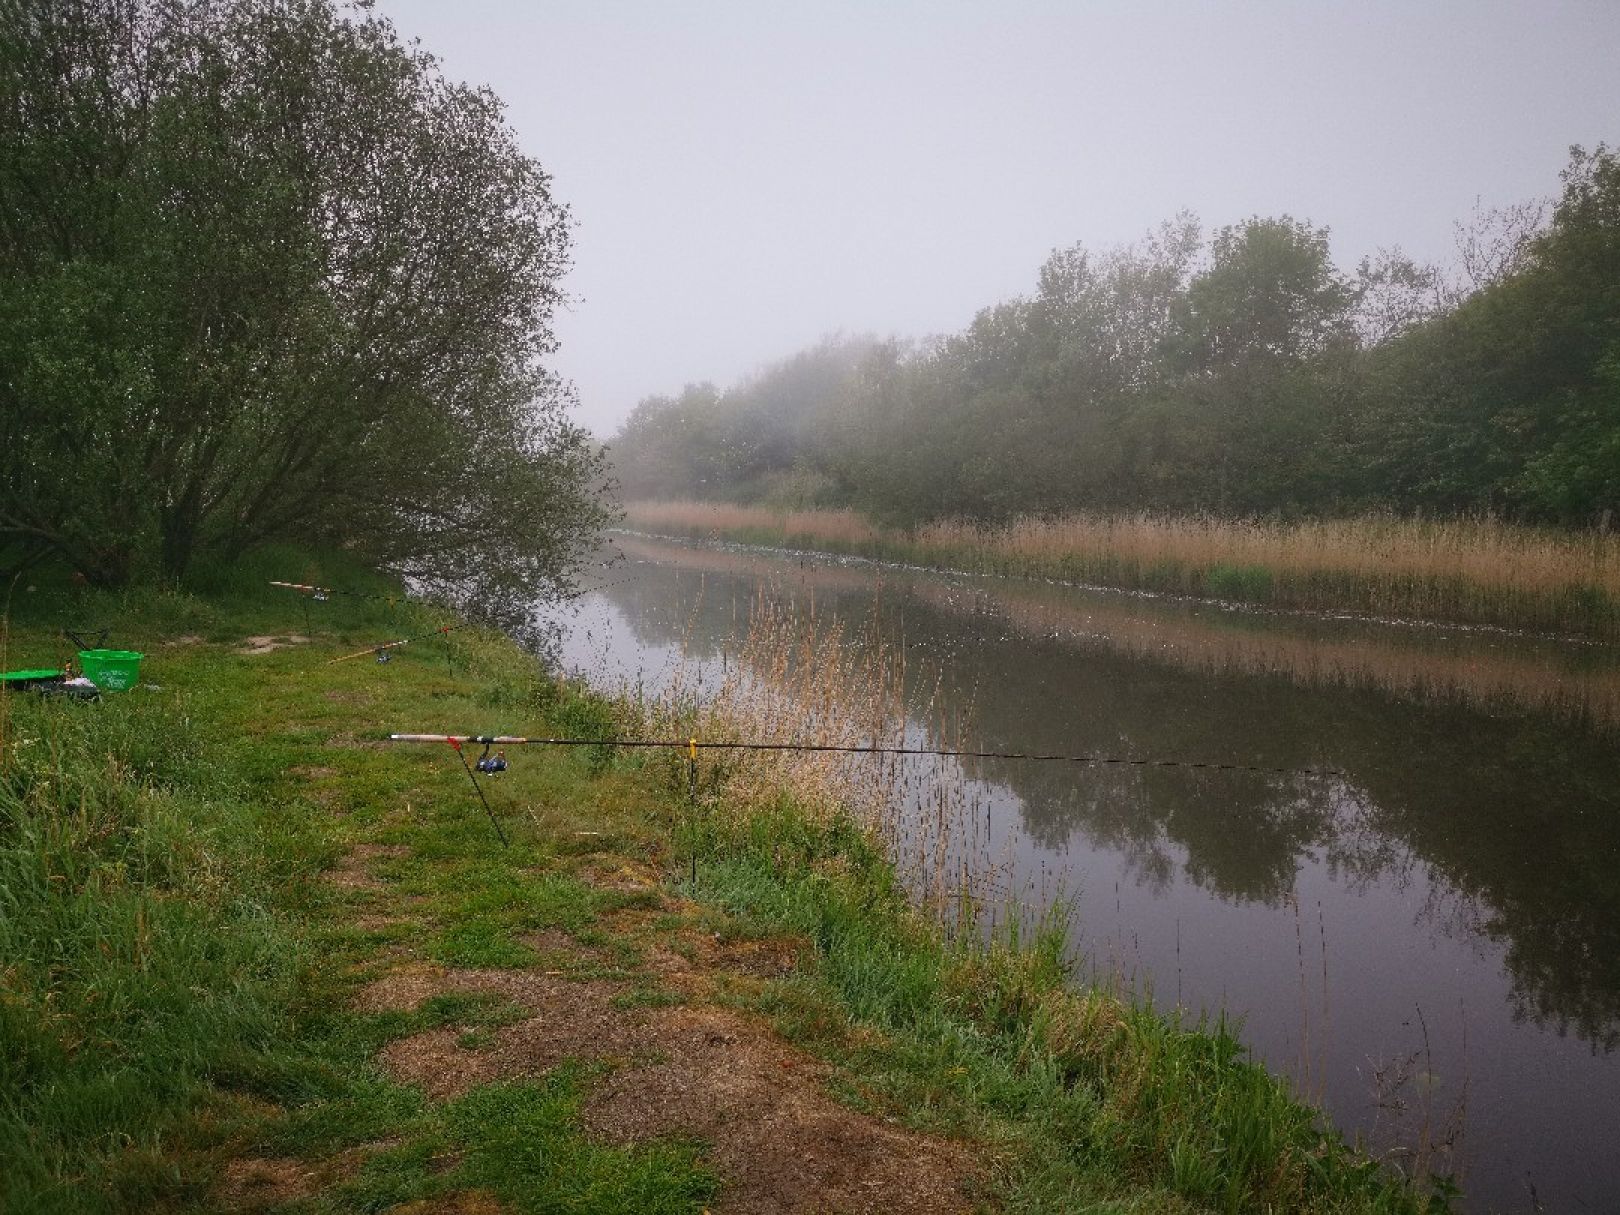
489	764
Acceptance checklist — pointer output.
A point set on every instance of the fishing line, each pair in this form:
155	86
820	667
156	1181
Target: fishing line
510	740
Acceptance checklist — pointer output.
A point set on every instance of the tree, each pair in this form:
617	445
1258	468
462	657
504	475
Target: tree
1507	401
268	275
1270	293
1493	244
1394	294
1574	472
1268	308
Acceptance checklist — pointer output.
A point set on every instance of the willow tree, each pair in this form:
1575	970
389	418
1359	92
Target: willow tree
266	274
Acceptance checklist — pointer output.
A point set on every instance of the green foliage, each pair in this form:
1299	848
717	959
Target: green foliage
1241	376
265	275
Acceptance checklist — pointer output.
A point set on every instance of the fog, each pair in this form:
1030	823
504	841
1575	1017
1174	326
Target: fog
746	178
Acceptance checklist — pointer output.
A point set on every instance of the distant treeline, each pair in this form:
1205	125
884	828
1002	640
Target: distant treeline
1242	374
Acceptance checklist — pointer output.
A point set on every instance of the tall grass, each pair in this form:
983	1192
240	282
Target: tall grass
786	681
1476	570
137	962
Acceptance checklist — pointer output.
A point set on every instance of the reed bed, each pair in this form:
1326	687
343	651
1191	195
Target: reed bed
839	529
1469	570
787	682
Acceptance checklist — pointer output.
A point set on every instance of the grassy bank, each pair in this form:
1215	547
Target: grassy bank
1473	571
255	959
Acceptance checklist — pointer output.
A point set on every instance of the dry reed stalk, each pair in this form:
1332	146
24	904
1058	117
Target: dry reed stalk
1403	556
1472	672
789	683
795	679
1468	568
843	527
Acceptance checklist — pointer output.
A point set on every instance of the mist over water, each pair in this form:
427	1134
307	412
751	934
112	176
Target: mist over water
1427	943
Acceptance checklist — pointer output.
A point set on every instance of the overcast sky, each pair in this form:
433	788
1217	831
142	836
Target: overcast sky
747	177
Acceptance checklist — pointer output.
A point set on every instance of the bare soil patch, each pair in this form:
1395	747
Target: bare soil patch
265	643
353	872
629	921
439	1065
627	877
557	948
402	990
766	958
781	1144
554	940
253	1183
698	963
571	1021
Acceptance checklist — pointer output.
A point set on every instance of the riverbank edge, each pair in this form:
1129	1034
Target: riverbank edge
183	840
1578	610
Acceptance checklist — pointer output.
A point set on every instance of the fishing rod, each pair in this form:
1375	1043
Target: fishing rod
320	593
382	650
693	745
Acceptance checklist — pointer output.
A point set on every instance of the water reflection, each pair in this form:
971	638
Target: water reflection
1516	816
1485	668
1466	862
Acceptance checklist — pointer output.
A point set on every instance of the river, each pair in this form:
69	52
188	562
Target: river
1426	941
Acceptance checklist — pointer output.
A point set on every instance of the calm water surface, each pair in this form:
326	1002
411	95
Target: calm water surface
1427	944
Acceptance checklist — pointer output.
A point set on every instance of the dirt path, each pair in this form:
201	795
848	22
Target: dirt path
779	1142
650	999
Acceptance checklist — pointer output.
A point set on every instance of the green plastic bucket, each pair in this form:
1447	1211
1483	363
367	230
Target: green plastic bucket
111	670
